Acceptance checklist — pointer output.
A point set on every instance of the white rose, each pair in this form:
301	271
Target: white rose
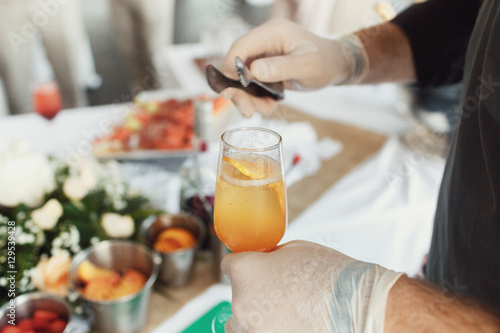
47	216
75	188
89	169
25	177
118	226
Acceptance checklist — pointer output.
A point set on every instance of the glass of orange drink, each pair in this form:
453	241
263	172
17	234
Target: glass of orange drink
250	210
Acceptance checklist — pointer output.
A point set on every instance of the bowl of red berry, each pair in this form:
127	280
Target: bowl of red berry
35	313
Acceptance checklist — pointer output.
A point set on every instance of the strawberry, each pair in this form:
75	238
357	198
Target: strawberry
25	325
11	329
42	319
57	326
44	315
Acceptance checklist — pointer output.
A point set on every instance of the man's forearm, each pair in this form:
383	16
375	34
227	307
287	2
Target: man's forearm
413	306
389	53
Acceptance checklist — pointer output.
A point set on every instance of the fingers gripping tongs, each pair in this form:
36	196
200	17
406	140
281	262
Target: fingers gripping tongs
218	82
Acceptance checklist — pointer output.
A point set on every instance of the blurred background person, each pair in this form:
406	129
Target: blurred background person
143	28
57	29
338	17
4	109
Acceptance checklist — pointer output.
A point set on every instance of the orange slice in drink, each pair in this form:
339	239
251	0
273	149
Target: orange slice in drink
281	195
256	171
249	169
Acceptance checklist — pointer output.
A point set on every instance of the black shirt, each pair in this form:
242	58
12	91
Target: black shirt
465	250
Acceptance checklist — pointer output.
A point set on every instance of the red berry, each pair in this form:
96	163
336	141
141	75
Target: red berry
11	329
45	315
57	326
296	159
25	325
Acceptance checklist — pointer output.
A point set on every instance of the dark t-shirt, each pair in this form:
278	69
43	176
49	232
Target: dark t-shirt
465	250
439	32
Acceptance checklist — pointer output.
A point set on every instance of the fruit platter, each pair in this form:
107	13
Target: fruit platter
156	128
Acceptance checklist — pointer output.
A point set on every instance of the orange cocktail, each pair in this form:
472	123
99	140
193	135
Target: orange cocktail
250	198
47	100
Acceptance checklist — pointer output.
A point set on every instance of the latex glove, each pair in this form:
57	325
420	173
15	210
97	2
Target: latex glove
280	50
306	287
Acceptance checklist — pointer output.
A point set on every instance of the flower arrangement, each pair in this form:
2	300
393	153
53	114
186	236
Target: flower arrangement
50	210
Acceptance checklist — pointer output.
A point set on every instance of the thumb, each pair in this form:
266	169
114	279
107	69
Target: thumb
282	68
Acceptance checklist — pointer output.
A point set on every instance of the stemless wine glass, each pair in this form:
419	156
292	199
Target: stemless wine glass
250	211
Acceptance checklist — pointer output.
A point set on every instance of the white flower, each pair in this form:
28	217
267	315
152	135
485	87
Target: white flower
47	216
94	240
75	188
89	169
25	177
118	226
82	179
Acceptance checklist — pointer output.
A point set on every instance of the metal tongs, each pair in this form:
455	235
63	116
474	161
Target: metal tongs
218	82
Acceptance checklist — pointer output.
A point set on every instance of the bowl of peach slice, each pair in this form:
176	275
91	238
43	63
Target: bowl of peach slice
177	239
115	279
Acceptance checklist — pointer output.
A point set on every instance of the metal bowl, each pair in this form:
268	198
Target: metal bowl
126	314
177	267
25	306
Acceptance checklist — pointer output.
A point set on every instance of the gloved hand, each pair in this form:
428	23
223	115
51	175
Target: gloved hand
280	50
306	287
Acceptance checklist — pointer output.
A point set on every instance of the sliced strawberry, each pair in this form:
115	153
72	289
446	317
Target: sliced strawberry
25	325
11	329
57	326
42	319
45	315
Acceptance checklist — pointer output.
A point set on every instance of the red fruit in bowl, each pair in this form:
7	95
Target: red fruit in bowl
25	325
11	329
42	319
57	326
44	315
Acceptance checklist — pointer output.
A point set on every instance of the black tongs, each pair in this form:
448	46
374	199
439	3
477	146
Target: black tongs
218	82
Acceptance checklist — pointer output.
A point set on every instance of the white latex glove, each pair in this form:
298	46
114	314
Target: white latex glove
306	287
280	50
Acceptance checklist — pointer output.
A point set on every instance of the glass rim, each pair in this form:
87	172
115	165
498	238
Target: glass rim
259	129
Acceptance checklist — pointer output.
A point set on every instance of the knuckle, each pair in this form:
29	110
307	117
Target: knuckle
238	309
238	268
277	21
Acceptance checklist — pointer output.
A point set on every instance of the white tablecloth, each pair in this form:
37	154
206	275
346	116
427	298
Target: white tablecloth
381	212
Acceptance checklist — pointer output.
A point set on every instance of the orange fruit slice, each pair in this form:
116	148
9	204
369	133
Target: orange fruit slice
172	239
249	169
88	271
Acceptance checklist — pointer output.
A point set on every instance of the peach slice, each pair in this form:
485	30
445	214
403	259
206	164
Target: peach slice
101	288
88	271
172	239
131	282
111	287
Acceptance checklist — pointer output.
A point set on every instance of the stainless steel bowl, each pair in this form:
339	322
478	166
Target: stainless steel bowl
26	304
126	314
177	267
